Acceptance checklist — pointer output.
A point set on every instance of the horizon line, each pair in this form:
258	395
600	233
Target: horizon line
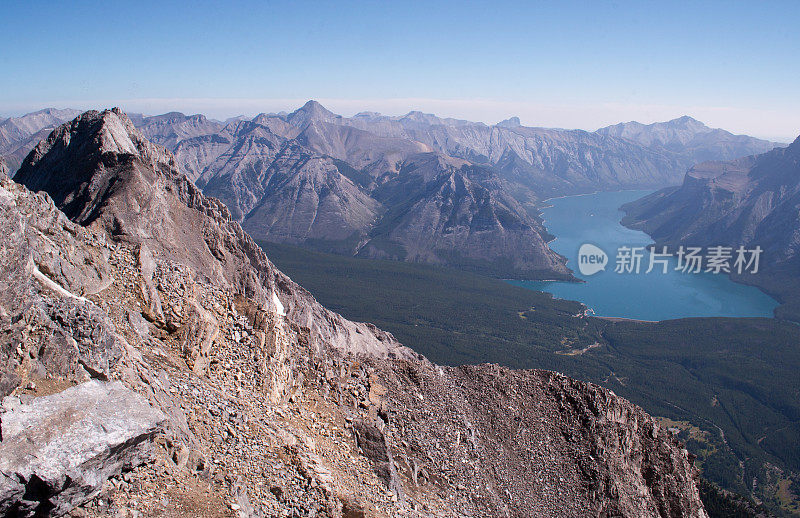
221	109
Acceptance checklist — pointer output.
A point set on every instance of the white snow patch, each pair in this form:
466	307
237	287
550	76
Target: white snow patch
278	305
49	283
6	196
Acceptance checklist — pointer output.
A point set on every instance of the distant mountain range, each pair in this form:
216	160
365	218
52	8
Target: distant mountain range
752	201
415	187
18	135
689	138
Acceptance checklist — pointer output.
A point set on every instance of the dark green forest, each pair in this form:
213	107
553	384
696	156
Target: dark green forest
728	386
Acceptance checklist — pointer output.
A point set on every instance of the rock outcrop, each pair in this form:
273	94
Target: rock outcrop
57	450
273	405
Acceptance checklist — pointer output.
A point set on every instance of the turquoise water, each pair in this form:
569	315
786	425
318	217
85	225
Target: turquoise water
594	219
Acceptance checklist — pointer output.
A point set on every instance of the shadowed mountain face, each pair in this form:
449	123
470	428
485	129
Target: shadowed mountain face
121	270
752	201
419	187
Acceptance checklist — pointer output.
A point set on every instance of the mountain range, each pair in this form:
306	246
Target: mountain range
422	188
752	202
18	135
156	362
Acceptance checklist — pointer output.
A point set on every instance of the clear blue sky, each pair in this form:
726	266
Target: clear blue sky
571	64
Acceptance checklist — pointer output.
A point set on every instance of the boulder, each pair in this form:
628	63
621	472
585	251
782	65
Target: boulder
56	451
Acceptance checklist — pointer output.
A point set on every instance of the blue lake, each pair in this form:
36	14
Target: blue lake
595	219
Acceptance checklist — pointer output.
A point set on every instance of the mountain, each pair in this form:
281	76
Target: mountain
691	139
171	128
386	187
306	198
549	161
356	185
303	178
448	211
152	343
19	134
419	187
752	201
99	170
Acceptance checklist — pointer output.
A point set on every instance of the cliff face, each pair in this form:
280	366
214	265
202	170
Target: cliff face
264	403
752	201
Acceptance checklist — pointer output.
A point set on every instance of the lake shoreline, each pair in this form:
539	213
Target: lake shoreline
596	218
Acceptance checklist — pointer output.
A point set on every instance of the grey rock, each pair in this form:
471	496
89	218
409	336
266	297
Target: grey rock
151	301
58	450
46	269
197	335
373	444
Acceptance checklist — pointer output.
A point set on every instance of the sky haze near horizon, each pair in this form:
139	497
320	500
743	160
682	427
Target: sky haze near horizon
568	64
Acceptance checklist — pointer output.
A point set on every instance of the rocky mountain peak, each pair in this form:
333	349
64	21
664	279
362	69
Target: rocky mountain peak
511	122
689	123
32	122
312	111
367	115
78	164
418	116
101	172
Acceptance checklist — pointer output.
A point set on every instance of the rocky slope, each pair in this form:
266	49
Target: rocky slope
752	201
263	402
